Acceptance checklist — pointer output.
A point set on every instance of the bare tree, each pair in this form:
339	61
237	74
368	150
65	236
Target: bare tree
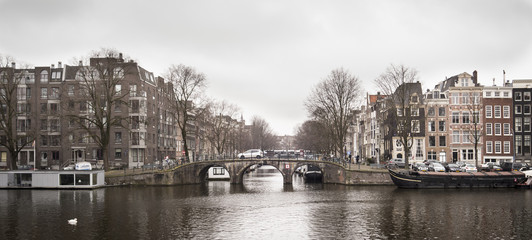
15	134
475	127
100	89
262	136
397	83
187	85
221	124
312	135
332	103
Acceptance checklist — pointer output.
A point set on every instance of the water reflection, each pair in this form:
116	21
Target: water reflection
263	207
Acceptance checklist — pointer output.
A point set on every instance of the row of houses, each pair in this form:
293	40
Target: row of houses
44	96
457	120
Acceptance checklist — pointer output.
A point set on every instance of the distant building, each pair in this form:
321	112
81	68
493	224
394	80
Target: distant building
522	101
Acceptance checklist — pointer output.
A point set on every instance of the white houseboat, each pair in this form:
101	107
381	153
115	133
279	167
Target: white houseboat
52	179
218	173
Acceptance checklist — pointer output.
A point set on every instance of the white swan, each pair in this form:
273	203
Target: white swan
73	221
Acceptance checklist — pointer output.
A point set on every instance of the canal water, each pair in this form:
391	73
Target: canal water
263	208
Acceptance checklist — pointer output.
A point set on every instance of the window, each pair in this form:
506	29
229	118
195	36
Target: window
455	98
518	109
44	93
489	146
118	153
465	98
497	129
506	111
464	82
506	129
497	146
44	124
118	137
466	138
218	171
518	144
518	124
518	96
441	111
132	90
497	94
443	143
526	96
441	126
488	94
414	111
456	137
53	108
432	126
465	117
488	128
70	90
526	109
118	89
526	124
419	149
431	155
431	112
497	111
44	108
506	94
44	76
456	117
56	76
415	126
506	146
488	111
432	141
526	148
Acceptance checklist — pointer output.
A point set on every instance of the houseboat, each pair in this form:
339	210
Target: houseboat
414	179
218	173
311	173
70	179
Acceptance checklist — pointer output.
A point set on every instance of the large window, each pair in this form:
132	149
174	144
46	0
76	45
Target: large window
432	126
465	117
518	124
456	117
441	126
442	141
518	144
526	124
432	141
456	136
506	129
489	146
497	129
44	76
506	146
497	146
518	109
526	96
466	137
441	111
488	111
506	111
497	111
518	96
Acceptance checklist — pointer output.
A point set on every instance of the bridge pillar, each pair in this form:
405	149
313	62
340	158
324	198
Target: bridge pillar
287	178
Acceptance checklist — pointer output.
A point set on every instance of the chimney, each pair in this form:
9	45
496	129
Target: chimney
59	65
503	77
475	77
13	65
53	66
80	63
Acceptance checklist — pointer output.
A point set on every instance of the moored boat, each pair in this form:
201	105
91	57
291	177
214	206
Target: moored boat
413	179
312	173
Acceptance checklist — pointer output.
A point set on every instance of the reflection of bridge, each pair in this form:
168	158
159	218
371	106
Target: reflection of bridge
196	172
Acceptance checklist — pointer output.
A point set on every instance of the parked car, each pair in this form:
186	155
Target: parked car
469	168
490	167
396	162
451	167
511	166
251	153
436	167
420	167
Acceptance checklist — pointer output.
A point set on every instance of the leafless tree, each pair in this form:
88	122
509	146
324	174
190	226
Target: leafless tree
312	135
474	106
15	134
396	83
221	124
187	85
332	103
100	88
262	136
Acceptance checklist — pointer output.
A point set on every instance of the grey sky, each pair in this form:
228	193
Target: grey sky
266	56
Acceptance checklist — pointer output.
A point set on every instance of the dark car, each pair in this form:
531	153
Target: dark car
511	166
451	167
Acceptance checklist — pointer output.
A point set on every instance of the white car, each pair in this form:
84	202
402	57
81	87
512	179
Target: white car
436	167
468	168
251	153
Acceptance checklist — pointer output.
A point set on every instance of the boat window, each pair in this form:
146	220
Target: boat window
66	179
83	179
94	179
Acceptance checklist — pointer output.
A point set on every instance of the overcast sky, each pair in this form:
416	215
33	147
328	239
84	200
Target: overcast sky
266	56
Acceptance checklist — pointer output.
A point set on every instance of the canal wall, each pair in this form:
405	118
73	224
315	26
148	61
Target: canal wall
346	177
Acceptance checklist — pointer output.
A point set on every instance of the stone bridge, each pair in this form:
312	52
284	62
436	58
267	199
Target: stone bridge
196	172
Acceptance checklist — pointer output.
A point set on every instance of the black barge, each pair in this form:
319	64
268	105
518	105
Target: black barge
414	179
